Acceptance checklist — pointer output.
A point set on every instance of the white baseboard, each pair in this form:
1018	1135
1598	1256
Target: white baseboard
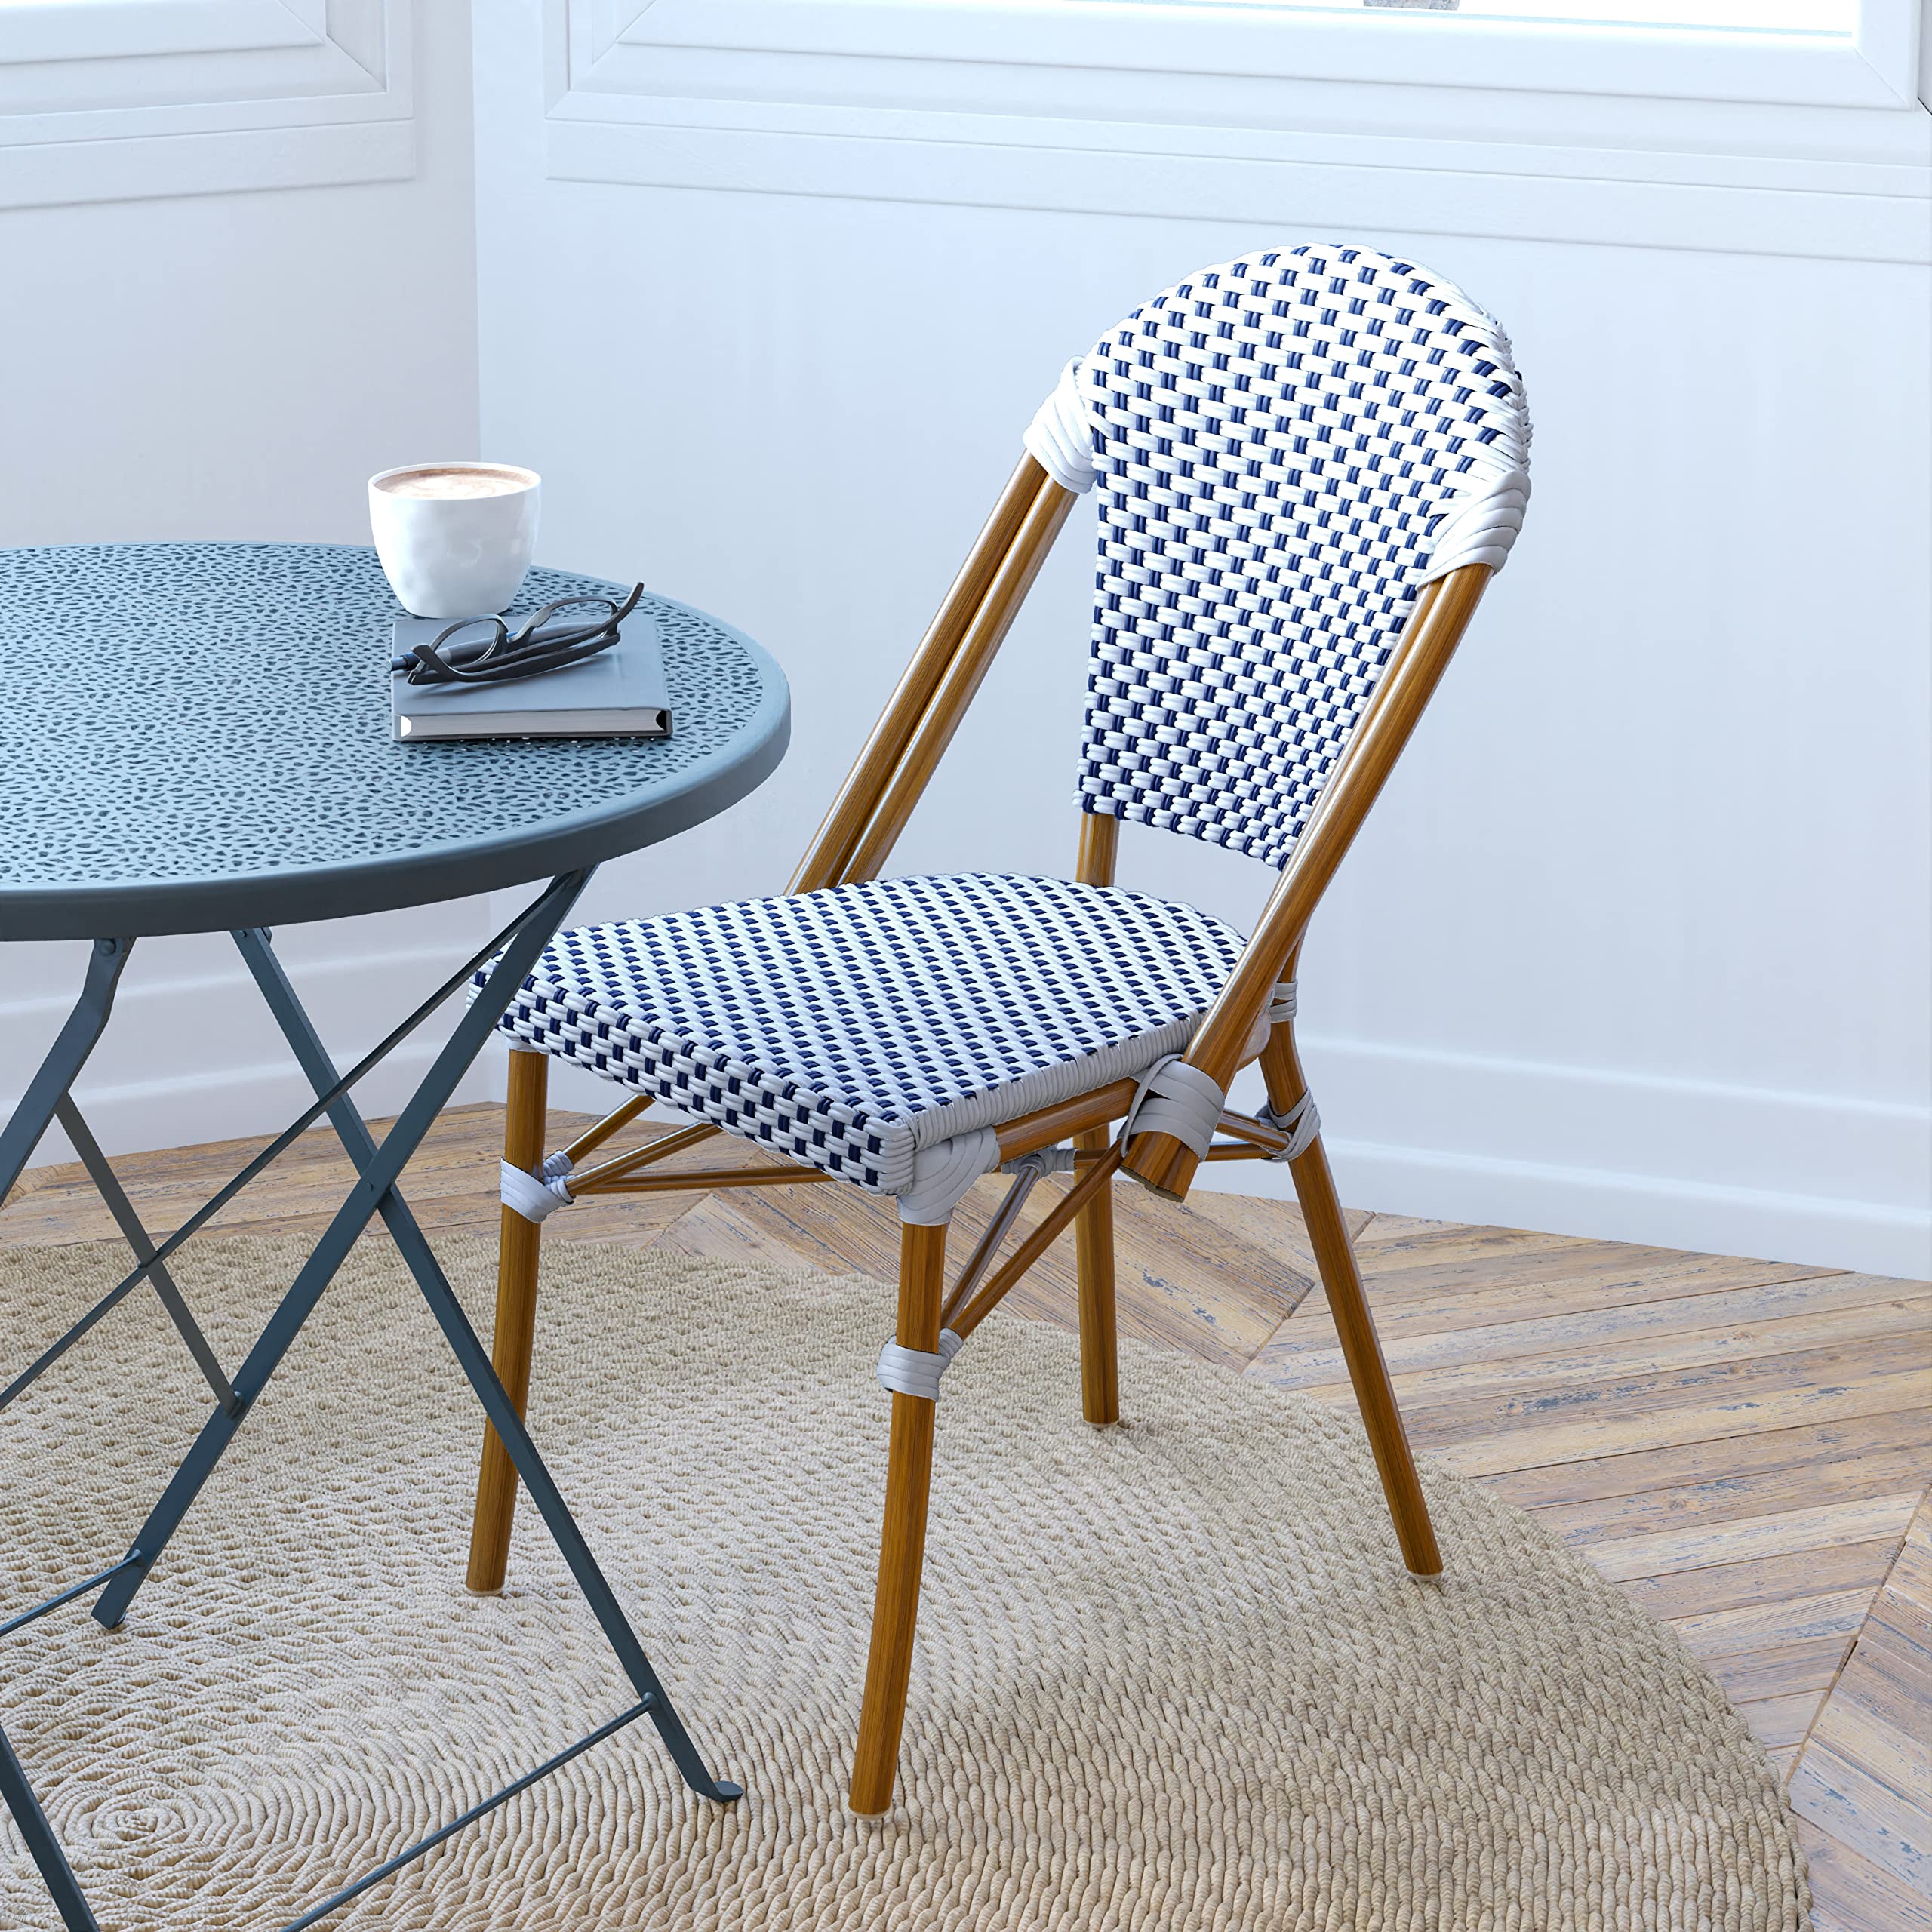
1649	1208
1667	1162
1786	1177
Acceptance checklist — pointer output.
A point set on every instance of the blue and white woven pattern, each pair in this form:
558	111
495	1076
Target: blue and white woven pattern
1288	447
850	1028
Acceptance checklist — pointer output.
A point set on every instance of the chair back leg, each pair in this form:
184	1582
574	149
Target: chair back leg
519	1241
903	1541
1094	1247
1361	1349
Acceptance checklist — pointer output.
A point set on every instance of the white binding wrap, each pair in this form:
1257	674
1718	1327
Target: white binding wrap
1041	1162
1280	1007
1175	1098
1059	438
913	1372
1485	519
1480	524
534	1197
943	1174
1301	1123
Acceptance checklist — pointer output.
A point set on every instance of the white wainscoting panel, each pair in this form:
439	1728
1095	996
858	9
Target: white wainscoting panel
126	99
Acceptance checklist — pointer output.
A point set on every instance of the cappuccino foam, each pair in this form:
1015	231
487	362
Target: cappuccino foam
446	483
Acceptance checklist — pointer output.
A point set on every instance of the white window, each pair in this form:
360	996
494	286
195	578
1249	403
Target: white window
1655	123
1830	16
1879	35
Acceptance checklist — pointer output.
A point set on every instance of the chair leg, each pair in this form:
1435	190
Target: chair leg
1093	1246
1361	1348
902	1541
517	1242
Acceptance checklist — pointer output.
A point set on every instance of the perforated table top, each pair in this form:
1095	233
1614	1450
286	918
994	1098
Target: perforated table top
196	736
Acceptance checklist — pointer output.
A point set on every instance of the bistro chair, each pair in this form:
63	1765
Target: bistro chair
1309	464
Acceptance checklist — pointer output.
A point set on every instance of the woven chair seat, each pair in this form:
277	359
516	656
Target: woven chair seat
848	1029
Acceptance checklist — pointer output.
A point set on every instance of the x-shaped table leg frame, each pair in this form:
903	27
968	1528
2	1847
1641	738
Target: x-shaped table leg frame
378	1166
50	1098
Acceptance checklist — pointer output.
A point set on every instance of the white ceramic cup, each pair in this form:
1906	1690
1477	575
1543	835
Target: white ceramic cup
456	540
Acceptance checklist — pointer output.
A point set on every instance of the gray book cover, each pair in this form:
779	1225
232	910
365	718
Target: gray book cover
619	693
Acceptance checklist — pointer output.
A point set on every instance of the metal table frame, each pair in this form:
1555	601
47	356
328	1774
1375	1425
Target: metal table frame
49	1098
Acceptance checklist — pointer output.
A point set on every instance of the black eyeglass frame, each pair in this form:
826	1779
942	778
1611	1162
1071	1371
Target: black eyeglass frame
541	645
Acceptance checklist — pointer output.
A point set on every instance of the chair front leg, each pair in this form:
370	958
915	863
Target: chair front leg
1093	1247
1361	1349
518	1242
903	1541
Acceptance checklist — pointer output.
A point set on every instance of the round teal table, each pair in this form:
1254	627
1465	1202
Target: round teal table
195	737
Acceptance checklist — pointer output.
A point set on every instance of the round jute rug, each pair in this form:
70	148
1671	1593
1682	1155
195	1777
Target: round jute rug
1169	1675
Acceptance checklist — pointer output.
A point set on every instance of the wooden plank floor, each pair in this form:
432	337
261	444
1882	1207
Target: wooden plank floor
1742	1446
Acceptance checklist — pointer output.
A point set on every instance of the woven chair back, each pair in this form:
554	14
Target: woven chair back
1287	448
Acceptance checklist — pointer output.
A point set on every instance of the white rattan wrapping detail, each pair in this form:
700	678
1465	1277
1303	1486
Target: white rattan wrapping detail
1289	445
1175	1098
1060	438
1301	1123
914	1372
1280	1007
852	1029
536	1199
943	1175
1043	1161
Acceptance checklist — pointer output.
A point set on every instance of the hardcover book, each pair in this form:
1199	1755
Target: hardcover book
619	693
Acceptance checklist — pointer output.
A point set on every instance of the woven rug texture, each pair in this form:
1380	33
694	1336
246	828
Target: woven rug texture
1170	1674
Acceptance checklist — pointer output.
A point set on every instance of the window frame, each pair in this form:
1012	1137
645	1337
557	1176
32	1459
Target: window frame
1877	65
1262	117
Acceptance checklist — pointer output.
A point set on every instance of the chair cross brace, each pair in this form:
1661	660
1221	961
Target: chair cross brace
378	1167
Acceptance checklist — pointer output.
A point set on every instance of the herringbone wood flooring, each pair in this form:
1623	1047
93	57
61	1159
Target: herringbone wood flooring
1743	1446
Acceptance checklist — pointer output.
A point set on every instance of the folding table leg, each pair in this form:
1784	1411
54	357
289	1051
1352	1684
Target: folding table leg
107	1184
45	1096
49	1097
530	936
379	1167
56	1874
470	1352
65	1059
159	1252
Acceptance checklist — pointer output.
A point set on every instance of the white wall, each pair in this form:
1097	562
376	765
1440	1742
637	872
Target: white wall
236	364
1638	943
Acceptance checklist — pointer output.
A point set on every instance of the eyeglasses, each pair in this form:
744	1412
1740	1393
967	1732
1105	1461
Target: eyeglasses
484	650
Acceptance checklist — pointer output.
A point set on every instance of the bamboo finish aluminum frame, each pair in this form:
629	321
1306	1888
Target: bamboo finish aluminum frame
853	843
